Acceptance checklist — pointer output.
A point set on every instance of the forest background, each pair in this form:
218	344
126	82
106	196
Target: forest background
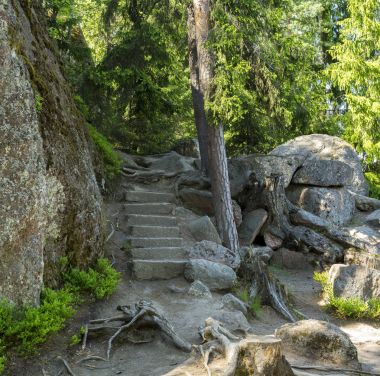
283	68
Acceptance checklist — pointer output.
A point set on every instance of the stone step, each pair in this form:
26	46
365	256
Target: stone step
158	269
159	253
155	242
154	231
147	196
150	208
150	220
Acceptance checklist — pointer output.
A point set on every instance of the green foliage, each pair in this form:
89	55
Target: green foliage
254	305
374	184
6	321
111	160
75	339
243	294
26	328
347	307
268	84
283	69
356	71
100	281
38	323
38	102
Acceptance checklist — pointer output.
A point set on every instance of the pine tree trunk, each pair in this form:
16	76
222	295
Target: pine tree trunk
198	99
218	168
220	186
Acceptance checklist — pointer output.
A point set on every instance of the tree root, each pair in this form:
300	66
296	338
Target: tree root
142	313
333	369
262	283
67	366
224	354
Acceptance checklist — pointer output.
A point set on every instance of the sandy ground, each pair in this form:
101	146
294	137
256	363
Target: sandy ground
186	313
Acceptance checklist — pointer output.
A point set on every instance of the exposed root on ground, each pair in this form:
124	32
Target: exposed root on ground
67	366
224	354
262	283
348	371
141	314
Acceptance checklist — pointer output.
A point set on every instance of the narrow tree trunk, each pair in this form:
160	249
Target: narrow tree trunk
198	99
220	187
216	148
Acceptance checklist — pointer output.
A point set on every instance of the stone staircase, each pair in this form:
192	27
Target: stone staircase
153	234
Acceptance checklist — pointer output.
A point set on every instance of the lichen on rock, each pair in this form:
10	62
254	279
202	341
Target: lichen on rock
50	205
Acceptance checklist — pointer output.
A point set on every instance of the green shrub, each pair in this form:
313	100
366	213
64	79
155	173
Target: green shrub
243	294
38	323
374	184
255	306
100	281
2	363
111	160
38	102
26	328
347	307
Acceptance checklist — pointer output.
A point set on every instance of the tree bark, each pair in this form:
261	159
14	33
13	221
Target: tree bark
198	99
218	169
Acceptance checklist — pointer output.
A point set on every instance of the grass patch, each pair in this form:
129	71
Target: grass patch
354	308
374	184
111	160
100	281
24	329
254	304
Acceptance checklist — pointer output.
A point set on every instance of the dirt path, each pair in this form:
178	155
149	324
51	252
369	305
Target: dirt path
186	313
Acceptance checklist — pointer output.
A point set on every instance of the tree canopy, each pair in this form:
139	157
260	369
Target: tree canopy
283	68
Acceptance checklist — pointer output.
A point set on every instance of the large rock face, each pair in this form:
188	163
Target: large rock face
355	281
324	147
50	205
336	205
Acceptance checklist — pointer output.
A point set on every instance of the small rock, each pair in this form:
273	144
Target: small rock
238	217
324	173
355	281
172	162
251	226
188	147
365	203
176	289
197	200
215	276
231	302
203	229
373	219
318	340
233	320
211	251
272	241
289	259
359	257
365	238
264	253
200	290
